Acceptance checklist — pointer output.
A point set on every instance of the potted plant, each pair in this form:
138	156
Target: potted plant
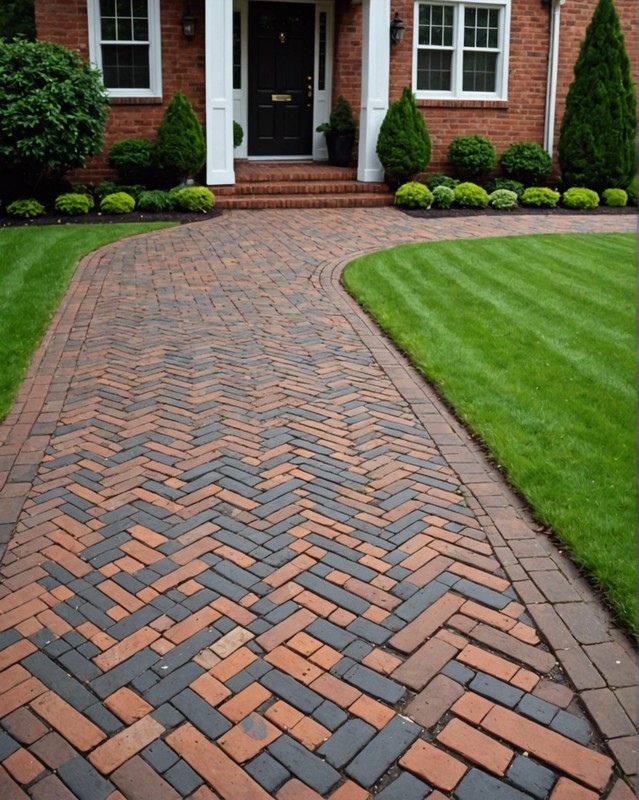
340	133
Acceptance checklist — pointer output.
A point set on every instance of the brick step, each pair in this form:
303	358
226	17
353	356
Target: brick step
278	171
351	200
300	187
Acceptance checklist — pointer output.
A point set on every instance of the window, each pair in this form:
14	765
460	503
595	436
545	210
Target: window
125	45
461	49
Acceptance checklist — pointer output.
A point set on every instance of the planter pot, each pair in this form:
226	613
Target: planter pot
340	148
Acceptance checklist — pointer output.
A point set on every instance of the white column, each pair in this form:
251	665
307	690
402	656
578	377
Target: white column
219	92
375	85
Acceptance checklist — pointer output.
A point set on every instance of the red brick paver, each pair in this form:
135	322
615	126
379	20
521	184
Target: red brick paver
251	555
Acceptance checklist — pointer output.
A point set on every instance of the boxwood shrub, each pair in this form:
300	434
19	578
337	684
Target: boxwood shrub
194	198
414	195
473	156
526	162
615	198
117	203
443	197
578	197
469	195
437	179
503	199
540	197
505	183
74	203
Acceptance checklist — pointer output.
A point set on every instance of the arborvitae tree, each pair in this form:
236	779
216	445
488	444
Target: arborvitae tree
597	136
404	145
180	147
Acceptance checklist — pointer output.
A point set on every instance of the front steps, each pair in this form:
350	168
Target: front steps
298	184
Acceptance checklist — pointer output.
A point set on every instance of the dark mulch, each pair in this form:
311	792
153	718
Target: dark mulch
181	217
434	213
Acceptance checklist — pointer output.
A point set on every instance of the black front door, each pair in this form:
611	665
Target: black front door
281	57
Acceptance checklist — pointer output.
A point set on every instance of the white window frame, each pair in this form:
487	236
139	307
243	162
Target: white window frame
155	52
456	91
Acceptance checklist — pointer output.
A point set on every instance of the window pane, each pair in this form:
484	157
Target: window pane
434	70
125	30
107	8
237	50
126	66
321	77
480	72
436	25
470	23
108	29
123	8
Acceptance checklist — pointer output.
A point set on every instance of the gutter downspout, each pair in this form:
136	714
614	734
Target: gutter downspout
553	70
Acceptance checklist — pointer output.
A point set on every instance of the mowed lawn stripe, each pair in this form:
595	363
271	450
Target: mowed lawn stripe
531	340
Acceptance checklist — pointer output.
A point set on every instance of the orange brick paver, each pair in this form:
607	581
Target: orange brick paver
247	553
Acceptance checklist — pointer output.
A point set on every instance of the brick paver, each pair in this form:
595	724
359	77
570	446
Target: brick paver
249	554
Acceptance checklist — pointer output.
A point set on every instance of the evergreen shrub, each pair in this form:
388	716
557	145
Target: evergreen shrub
503	199
25	208
104	188
437	179
505	183
443	197
540	197
414	195
526	162
194	198
180	149
469	195
615	198
117	203
74	203
133	159
578	197
473	156
596	145
404	146
238	134
631	190
155	201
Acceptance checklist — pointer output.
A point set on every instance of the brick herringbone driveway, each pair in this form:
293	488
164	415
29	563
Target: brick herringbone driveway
254	557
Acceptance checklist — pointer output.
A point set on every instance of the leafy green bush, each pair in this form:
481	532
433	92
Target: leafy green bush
473	156
615	198
505	183
155	201
132	158
578	197
194	198
503	199
105	188
134	189
74	203
341	120
25	209
117	203
238	134
631	189
443	196
180	148
526	162
404	146
596	145
413	195
540	197
53	110
437	179
469	195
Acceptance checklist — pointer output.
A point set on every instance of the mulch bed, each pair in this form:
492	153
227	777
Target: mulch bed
434	213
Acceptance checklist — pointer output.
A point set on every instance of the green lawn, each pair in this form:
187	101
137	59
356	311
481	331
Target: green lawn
36	264
532	341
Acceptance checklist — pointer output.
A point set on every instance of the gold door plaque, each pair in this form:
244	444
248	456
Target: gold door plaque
281	98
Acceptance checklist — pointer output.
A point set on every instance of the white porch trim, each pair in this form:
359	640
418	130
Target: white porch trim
219	91
375	86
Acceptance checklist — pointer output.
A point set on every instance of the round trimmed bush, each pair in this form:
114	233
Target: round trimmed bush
194	198
414	195
74	203
578	197
540	197
117	203
503	199
26	208
526	162
615	198
469	195
505	183
443	197
132	158
155	201
473	156
437	179
238	134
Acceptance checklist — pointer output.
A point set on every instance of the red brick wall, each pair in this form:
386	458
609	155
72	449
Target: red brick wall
521	118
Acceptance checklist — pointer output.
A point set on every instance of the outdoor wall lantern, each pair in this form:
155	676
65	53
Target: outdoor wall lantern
397	29
188	24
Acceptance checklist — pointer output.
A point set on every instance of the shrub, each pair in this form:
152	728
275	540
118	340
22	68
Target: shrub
404	146
117	203
631	190
105	188
526	162
596	145
540	197
180	148
27	208
132	158
74	203
615	198
437	179
341	120
473	156
505	183
503	199
134	189
53	109
578	197
155	201
238	134
469	195
17	20
194	198
443	196
414	195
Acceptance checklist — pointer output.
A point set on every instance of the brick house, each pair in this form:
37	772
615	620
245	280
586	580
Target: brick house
500	68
